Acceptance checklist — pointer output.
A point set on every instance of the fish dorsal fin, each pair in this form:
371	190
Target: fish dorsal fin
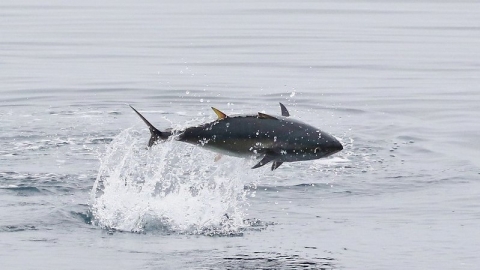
266	116
284	110
220	114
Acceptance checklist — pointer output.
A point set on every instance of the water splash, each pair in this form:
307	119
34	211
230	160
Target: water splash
173	186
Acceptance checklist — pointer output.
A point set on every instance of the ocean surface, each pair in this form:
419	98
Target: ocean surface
397	82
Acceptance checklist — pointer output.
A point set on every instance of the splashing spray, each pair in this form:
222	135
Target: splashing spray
170	187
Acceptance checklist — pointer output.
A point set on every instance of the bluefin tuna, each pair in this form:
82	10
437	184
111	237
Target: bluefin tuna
272	138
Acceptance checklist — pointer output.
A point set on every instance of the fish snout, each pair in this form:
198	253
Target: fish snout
327	147
334	146
337	146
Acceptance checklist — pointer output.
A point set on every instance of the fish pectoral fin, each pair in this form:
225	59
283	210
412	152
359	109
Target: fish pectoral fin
276	164
266	116
284	110
219	113
266	159
218	157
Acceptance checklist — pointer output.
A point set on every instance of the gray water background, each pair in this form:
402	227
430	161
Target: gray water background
398	82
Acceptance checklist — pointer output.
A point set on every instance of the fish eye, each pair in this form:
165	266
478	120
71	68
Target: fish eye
316	149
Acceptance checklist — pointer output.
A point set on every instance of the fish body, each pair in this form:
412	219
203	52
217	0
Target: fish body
277	139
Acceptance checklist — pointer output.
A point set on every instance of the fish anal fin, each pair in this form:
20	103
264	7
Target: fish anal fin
219	113
266	116
284	110
266	159
218	157
276	164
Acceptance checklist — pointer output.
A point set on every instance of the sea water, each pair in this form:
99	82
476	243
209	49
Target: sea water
396	82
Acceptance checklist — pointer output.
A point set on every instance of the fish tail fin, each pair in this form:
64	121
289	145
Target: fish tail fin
156	134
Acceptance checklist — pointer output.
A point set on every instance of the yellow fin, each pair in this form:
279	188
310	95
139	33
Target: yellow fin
220	114
266	116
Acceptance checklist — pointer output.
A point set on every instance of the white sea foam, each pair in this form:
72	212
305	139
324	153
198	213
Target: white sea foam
173	185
